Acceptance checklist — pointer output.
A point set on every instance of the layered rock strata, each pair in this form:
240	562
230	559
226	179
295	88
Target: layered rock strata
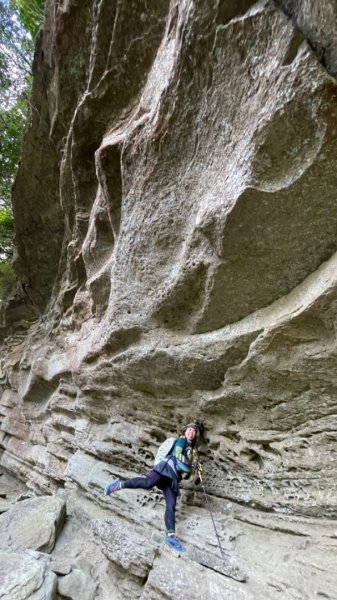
176	253
93	554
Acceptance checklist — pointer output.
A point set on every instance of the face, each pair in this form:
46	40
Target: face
190	434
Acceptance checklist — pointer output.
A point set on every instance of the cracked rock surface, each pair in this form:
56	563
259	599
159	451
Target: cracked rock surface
101	554
176	245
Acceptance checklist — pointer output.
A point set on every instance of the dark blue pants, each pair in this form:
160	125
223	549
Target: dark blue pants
164	484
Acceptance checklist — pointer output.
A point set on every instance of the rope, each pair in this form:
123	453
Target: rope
211	512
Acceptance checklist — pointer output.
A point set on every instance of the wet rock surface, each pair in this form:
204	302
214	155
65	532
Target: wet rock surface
176	257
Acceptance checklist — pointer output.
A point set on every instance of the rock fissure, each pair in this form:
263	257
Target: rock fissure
317	28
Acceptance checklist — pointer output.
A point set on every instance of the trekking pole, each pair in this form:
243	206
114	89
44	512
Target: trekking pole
210	511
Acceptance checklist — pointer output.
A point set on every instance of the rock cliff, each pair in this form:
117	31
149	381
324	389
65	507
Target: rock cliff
176	215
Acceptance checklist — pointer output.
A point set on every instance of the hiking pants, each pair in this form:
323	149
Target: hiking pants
164	484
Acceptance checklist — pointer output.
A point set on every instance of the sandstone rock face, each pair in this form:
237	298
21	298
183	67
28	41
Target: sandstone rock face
176	224
33	524
23	578
132	552
77	585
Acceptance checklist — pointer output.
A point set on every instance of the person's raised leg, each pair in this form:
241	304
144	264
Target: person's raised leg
143	483
113	487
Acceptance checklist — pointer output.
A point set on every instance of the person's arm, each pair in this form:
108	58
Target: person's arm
182	462
179	448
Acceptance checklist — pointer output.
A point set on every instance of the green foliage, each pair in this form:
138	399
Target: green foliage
16	53
31	14
12	124
20	21
7	278
6	233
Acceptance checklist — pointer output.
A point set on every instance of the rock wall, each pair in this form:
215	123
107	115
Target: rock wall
176	253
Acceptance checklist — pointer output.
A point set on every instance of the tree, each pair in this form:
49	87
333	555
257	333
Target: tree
12	124
6	233
6	278
31	14
16	52
19	23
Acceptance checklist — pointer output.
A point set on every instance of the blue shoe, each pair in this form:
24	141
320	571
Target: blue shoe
173	542
112	487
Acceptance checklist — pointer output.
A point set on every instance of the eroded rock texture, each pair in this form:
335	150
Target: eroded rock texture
176	224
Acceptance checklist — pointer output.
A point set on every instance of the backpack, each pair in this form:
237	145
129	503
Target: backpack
164	450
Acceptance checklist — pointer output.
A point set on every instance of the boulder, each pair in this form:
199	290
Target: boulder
126	547
77	584
33	523
25	577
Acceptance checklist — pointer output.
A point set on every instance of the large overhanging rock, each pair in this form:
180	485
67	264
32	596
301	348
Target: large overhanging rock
176	225
197	180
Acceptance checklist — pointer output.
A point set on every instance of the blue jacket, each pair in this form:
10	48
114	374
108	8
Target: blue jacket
178	462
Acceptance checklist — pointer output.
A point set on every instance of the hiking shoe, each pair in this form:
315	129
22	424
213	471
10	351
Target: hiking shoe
112	487
173	542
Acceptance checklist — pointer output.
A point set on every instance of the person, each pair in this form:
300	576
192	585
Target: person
166	476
